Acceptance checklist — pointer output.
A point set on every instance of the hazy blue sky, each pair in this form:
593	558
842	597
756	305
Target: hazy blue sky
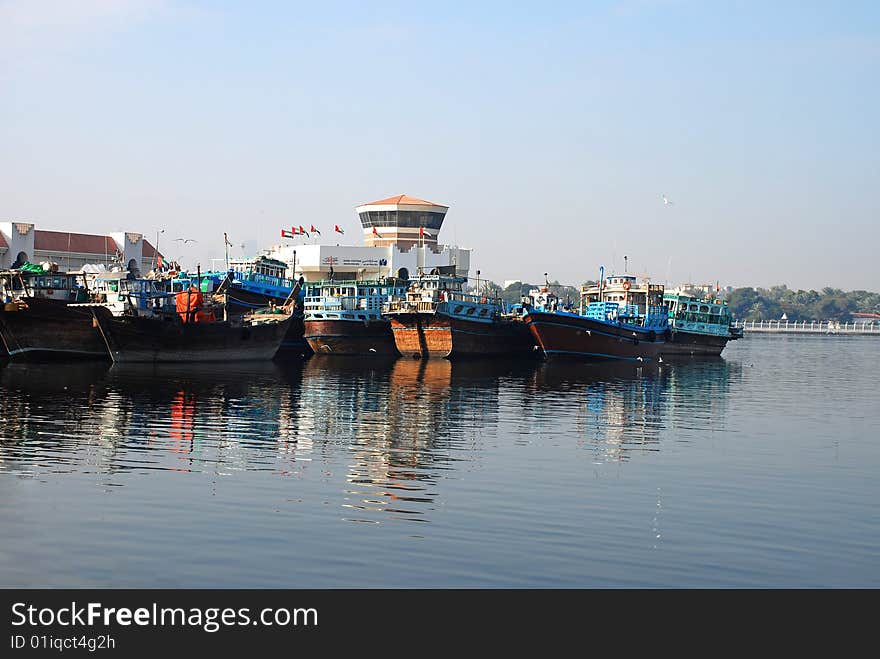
551	129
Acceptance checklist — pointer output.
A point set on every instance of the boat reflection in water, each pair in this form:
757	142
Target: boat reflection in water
406	424
131	417
624	408
378	438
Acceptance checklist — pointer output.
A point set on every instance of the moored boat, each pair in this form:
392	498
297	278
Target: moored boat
617	318
254	284
700	326
193	332
345	317
437	318
36	323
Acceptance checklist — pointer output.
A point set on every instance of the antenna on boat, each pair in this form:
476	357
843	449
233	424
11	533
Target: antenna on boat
624	264
228	245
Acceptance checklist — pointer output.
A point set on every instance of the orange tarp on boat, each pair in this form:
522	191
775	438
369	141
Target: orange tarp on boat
188	303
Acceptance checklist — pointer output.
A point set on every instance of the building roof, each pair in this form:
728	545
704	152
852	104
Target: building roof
3	242
148	251
403	199
81	243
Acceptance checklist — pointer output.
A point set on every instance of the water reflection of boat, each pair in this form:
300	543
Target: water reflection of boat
624	408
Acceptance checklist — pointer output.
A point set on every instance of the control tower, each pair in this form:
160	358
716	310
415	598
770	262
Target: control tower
402	221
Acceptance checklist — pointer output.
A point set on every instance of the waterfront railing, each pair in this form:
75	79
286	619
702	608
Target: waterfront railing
808	327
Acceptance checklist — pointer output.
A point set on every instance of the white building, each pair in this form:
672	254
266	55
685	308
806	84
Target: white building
21	242
400	239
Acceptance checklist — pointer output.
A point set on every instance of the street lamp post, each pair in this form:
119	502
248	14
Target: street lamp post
156	249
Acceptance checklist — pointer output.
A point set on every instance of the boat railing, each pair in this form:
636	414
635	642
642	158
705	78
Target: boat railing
344	302
460	296
409	306
258	278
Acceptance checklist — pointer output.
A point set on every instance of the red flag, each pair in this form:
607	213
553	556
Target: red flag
287	234
159	262
376	233
314	230
421	232
303	231
337	229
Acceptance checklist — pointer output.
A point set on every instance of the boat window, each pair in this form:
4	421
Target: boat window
457	309
470	311
704	309
484	311
362	316
317	315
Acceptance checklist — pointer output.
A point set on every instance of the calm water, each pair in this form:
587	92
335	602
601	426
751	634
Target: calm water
758	469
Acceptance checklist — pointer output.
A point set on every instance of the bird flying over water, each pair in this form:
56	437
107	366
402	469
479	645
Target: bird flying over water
666	201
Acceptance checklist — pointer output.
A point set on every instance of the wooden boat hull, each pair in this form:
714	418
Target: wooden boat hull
294	345
694	344
569	336
49	330
439	335
160	340
350	337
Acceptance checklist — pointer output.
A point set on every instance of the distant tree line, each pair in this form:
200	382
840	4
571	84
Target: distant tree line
772	303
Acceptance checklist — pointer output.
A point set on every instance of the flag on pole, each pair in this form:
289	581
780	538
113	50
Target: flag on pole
287	234
376	233
314	230
337	229
159	262
226	240
423	233
303	231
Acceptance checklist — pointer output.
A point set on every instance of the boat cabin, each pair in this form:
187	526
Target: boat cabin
349	300
61	286
123	294
440	293
623	299
706	315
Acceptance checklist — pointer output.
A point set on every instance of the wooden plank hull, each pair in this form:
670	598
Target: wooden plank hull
49	330
438	335
694	344
568	336
152	340
349	337
294	345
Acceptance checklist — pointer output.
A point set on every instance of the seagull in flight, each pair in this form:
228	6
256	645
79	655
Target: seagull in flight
666	201
186	240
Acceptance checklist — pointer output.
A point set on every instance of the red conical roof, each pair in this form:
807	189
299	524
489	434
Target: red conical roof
403	199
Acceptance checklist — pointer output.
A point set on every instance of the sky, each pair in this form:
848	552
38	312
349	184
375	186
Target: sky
551	129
